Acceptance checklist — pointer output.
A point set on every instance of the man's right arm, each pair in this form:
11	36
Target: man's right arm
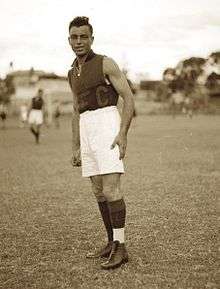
75	130
29	108
75	126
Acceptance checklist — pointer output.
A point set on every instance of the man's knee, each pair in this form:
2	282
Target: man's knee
111	187
112	193
98	193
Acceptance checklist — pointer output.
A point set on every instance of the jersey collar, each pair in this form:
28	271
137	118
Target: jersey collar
90	55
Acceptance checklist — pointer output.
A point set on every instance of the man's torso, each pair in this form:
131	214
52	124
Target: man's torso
37	103
91	87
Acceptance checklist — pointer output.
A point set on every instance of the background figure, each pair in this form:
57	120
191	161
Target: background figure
36	115
188	106
57	114
177	102
3	114
23	114
177	95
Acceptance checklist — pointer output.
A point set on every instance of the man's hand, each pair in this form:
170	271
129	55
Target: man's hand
121	141
76	159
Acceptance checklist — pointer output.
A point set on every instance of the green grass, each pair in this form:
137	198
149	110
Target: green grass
49	218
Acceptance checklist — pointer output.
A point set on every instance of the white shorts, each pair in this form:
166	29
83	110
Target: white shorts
23	116
23	113
98	129
35	117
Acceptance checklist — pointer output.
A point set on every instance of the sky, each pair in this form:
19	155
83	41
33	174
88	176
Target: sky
142	36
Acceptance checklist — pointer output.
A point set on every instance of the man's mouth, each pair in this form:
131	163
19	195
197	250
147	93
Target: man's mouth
79	48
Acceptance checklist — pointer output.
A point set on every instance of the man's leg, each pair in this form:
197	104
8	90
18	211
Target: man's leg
32	129
37	133
117	208
35	129
104	210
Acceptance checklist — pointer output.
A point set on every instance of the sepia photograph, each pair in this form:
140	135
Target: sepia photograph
109	144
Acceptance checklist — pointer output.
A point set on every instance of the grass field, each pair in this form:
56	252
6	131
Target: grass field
49	218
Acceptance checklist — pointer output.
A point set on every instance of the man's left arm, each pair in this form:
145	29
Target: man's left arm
119	81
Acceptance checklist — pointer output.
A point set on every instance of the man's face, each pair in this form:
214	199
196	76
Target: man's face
40	93
80	40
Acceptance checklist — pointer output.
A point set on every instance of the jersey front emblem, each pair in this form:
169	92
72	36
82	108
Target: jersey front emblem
102	96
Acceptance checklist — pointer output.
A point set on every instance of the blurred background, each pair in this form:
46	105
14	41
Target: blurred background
169	50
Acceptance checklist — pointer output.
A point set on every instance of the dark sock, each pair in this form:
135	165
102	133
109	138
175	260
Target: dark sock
104	210
37	136
118	213
33	131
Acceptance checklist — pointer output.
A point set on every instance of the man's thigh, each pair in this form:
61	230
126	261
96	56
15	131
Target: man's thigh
97	187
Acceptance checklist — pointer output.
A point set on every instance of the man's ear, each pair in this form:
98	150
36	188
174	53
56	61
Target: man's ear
92	39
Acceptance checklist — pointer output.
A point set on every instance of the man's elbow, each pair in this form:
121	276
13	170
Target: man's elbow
132	106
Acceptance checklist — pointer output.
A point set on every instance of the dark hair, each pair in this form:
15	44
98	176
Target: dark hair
80	21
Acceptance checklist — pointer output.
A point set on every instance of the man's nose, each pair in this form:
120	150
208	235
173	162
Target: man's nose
78	40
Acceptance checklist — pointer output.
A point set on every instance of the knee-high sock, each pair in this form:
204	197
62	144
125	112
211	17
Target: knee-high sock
104	210
33	131
118	215
37	135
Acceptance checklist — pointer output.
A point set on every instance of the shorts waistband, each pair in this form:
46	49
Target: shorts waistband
98	111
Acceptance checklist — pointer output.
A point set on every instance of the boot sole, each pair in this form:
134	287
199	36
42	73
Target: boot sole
124	261
97	257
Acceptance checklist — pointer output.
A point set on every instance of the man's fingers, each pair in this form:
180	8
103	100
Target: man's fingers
75	162
114	144
122	150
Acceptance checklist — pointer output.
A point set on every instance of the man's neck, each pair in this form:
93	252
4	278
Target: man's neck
82	59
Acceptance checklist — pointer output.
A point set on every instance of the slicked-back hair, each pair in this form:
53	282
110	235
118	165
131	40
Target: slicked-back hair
81	21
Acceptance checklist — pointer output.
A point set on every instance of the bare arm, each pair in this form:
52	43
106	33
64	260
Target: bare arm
29	107
75	133
75	125
44	107
121	85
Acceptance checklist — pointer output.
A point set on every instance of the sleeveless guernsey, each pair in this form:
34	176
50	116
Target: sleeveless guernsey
91	88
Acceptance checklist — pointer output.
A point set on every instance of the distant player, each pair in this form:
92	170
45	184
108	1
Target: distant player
57	114
3	114
23	114
188	106
177	101
35	118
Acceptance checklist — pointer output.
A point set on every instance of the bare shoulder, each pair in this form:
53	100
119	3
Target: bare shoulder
110	67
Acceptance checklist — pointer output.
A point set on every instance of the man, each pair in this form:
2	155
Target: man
99	136
36	115
57	114
23	114
3	114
